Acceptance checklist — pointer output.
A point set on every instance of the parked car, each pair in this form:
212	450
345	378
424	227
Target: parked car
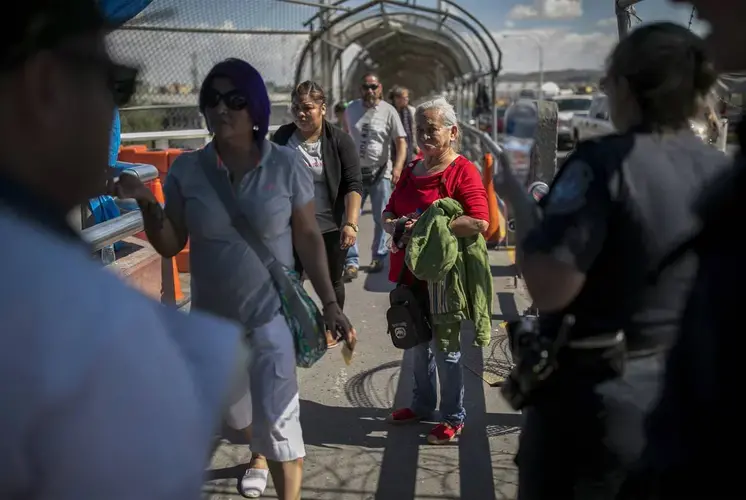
568	107
593	123
597	122
484	121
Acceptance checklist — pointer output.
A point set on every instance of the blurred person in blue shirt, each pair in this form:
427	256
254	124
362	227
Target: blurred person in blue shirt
104	393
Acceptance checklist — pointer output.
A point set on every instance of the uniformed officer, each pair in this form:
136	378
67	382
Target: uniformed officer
695	437
615	208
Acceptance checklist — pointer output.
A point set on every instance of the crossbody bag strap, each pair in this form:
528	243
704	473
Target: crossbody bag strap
221	184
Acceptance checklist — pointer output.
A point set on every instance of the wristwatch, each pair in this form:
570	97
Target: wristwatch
353	226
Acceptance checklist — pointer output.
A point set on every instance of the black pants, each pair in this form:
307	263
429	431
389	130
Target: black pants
582	440
335	258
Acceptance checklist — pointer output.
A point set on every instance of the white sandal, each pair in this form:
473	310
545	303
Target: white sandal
253	483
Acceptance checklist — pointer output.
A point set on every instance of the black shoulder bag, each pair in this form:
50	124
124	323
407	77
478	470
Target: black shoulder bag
407	317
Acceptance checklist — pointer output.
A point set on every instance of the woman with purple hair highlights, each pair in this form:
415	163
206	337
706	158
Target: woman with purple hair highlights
275	192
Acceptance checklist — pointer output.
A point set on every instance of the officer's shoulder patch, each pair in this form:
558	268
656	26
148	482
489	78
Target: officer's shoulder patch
569	190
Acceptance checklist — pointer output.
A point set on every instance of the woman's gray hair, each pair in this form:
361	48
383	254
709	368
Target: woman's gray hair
448	114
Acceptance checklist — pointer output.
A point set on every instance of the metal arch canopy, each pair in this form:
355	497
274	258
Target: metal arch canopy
455	57
352	33
335	21
407	53
451	5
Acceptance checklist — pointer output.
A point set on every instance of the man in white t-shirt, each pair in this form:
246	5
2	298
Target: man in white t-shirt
104	394
374	125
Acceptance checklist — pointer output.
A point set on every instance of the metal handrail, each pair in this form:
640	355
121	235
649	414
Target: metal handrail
109	232
492	145
199	133
142	171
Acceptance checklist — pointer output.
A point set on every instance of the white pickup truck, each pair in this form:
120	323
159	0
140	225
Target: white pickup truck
595	123
568	107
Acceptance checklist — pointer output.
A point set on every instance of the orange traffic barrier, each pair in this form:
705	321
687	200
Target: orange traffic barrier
494	209
170	284
182	259
172	155
159	159
133	147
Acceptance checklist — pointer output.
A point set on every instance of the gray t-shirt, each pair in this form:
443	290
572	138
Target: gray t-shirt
313	158
373	130
228	279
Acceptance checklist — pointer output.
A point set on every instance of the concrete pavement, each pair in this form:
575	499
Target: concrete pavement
354	454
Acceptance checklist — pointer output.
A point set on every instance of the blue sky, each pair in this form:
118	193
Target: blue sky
572	33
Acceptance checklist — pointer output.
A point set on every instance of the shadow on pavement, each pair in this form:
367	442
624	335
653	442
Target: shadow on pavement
398	476
508	271
508	307
377	282
364	425
475	459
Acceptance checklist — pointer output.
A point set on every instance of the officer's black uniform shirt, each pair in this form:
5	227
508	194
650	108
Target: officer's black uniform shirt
616	207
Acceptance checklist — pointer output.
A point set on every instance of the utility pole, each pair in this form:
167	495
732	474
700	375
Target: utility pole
622	9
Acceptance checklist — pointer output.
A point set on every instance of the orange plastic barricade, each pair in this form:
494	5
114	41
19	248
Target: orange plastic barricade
133	147
182	259
172	155
159	159
494	210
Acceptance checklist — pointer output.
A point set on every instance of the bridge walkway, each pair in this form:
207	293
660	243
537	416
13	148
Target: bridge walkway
354	454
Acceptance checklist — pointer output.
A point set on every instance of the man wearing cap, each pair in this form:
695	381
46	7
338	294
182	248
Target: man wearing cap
104	393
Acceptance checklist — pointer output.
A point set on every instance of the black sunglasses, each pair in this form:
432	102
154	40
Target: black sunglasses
122	82
370	86
120	79
233	99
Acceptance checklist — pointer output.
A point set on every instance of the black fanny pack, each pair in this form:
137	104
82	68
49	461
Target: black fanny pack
371	175
408	315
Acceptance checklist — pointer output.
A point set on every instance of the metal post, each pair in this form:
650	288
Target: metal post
493	97
341	77
313	56
621	8
541	70
326	55
622	20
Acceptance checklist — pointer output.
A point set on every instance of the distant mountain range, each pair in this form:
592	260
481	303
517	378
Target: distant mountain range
558	76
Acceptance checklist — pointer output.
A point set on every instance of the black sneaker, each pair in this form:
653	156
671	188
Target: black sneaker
350	273
376	266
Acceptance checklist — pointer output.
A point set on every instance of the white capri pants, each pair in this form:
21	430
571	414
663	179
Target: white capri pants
267	396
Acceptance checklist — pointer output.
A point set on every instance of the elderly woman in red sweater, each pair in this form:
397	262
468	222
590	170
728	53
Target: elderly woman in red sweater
441	173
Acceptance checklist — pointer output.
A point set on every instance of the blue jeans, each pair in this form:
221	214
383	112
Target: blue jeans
426	358
380	192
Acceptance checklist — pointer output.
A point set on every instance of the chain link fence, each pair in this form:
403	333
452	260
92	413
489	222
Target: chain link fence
176	42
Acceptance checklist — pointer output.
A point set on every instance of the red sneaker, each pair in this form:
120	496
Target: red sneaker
403	416
444	433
